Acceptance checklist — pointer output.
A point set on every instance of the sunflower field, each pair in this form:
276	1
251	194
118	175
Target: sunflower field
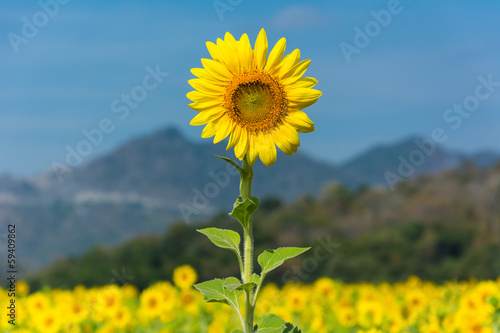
324	306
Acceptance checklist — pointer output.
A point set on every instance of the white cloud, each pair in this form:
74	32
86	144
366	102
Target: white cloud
299	16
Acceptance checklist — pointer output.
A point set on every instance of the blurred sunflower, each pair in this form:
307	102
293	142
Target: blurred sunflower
23	288
254	98
152	302
48	322
184	277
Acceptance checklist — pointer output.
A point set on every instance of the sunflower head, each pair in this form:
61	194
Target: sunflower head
254	98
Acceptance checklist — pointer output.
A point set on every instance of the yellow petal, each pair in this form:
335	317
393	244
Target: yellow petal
282	143
229	55
234	137
260	52
302	95
207	116
300	121
201	106
199	72
209	130
267	150
293	106
206	87
246	53
244	41
252	152
213	50
290	133
224	127
197	96
217	70
288	62
228	38
276	54
296	72
204	75
303	82
241	147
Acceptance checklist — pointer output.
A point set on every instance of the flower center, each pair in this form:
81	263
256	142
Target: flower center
256	101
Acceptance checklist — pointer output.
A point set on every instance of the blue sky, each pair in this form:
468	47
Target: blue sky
62	78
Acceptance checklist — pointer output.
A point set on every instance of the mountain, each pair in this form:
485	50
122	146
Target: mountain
150	182
167	169
411	158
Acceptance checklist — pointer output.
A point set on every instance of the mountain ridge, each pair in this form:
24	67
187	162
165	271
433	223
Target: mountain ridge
149	182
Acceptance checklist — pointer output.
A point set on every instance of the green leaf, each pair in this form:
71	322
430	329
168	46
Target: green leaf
255	279
270	323
238	331
289	328
243	209
233	163
240	286
271	259
214	291
226	239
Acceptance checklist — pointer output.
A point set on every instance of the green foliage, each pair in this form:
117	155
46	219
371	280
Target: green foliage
271	259
226	239
216	291
240	286
270	323
243	210
289	328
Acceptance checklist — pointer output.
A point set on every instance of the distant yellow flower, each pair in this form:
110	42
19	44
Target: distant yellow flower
184	277
152	302
369	313
415	303
254	98
76	311
486	289
325	287
38	303
346	316
121	317
296	299
168	293
129	291
190	301
48	321
108	301
22	288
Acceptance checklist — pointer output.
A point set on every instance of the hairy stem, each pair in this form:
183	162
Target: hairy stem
248	273
246	193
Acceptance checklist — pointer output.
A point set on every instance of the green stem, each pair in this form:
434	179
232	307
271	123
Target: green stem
256	295
248	273
246	180
246	193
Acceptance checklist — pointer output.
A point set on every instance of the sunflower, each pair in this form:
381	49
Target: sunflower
253	98
184	277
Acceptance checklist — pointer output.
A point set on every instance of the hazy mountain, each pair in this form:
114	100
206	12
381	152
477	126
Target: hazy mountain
410	158
371	166
151	181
